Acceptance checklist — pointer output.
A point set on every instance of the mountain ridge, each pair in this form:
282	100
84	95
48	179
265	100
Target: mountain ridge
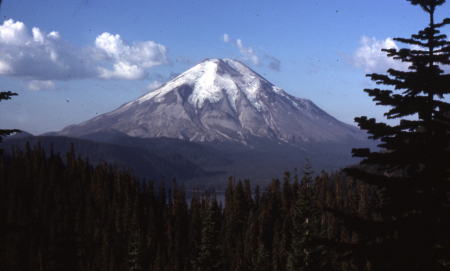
223	119
220	100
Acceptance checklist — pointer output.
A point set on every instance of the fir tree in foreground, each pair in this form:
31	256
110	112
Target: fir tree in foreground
305	251
6	95
411	170
209	256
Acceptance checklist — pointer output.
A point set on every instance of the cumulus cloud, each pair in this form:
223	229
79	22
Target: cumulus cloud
130	61
370	58
41	57
36	55
40	85
251	55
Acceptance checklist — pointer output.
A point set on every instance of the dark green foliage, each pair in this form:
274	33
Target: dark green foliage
134	252
209	255
411	172
305	253
6	95
63	214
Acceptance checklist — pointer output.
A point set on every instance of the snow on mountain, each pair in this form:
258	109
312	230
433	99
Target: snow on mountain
221	100
210	78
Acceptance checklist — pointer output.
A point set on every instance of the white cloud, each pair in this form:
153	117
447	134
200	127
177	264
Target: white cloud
53	35
37	35
122	70
370	58
40	85
13	32
129	61
247	52
256	58
36	55
226	38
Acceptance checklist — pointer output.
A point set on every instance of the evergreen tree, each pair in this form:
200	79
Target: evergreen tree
411	170
134	243
209	256
178	228
305	248
134	252
262	259
6	95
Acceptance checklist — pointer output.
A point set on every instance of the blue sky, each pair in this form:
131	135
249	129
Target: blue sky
71	60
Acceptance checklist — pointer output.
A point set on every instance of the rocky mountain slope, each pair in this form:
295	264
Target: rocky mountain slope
217	119
221	100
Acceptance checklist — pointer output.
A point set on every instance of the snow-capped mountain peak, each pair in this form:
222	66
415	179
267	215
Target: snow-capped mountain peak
213	80
220	99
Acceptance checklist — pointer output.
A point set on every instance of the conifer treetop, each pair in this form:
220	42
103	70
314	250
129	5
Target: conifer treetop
427	5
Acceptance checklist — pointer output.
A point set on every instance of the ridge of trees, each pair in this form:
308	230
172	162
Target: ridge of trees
61	213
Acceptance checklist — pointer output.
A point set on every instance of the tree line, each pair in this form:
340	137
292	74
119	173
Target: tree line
61	213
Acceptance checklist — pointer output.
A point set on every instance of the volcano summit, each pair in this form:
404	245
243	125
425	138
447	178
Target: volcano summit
217	119
220	100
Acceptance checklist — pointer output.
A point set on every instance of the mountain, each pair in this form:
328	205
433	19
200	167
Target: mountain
218	119
221	100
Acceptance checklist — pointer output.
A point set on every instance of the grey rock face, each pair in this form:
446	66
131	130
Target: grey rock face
221	100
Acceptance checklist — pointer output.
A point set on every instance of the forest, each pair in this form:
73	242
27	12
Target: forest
60	213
